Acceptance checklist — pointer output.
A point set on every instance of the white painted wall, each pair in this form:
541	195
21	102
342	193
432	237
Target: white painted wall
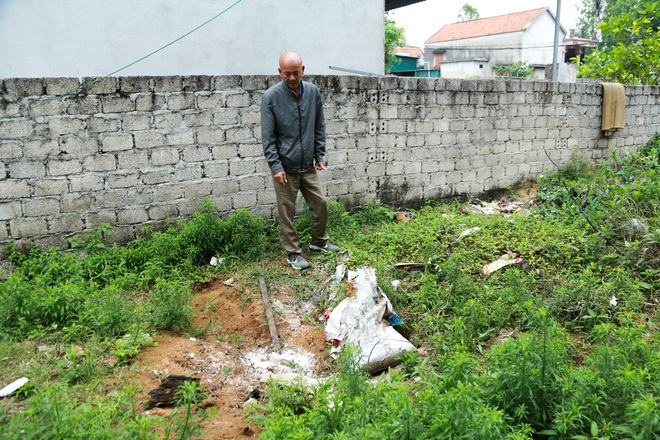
53	38
538	40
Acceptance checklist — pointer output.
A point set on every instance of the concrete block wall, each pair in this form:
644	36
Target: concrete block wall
138	151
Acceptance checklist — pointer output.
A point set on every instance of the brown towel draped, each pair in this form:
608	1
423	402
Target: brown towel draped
614	108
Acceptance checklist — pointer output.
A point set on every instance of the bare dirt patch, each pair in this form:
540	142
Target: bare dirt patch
234	359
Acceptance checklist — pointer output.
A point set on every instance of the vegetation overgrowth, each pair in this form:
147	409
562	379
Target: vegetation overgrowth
560	346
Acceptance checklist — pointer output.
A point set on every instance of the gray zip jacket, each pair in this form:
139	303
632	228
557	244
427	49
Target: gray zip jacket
292	131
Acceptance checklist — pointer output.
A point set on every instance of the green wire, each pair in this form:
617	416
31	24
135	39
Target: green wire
125	67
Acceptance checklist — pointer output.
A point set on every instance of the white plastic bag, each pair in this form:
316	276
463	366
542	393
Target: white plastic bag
364	320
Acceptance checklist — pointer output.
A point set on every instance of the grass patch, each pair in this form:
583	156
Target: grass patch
562	346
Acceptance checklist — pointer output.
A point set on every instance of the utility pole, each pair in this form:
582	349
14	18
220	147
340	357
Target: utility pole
556	47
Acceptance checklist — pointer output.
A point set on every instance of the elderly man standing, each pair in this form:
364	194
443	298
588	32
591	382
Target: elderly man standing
293	137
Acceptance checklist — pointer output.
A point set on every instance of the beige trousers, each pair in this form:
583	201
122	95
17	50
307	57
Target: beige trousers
310	186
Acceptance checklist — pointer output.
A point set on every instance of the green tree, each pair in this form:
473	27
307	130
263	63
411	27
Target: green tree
633	53
467	13
594	12
393	38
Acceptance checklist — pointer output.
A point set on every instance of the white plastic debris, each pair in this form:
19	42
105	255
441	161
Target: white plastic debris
215	261
396	283
230	282
469	231
614	301
366	320
504	260
193	339
14	386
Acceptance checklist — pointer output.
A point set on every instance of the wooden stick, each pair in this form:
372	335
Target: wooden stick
269	315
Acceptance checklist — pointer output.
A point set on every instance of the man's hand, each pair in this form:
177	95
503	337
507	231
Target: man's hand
280	178
319	165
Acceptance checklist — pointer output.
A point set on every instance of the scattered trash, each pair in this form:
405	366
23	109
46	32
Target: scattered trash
614	301
193	339
403	216
504	260
215	261
230	282
366	320
396	283
464	209
469	231
14	386
634	226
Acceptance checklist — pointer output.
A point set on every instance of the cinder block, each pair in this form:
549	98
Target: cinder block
163	212
168	122
136	121
196	154
78	145
180	101
239	134
16	129
168	192
180	138
236	100
155	177
213	100
21	87
123	180
117	104
241	167
164	156
117	143
64	167
149	139
196	190
132	216
244	200
100	162
211	136
86	183
103	124
26	170
27	228
225	186
64	125
216	170
167	84
135	84
251	183
188	172
50	187
98	86
198	118
130	160
65	224
9	211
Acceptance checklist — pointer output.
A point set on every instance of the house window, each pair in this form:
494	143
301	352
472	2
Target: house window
481	66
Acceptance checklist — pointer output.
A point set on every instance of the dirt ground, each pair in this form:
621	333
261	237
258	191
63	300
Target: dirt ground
235	358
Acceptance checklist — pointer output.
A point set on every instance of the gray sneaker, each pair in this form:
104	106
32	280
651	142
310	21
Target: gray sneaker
297	261
328	247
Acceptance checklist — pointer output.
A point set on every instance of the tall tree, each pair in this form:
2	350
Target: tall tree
632	54
393	38
467	13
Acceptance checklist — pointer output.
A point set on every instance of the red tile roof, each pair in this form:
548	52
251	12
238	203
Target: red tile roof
414	52
501	24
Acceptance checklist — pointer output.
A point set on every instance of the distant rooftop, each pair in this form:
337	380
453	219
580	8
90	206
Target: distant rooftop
481	27
414	52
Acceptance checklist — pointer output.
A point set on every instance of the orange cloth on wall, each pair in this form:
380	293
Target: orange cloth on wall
614	108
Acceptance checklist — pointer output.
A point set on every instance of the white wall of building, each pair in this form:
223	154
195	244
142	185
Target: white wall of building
76	38
538	40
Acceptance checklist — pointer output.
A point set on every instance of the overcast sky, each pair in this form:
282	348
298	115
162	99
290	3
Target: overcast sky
424	19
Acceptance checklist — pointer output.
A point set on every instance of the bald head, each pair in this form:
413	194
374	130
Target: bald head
291	69
290	57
